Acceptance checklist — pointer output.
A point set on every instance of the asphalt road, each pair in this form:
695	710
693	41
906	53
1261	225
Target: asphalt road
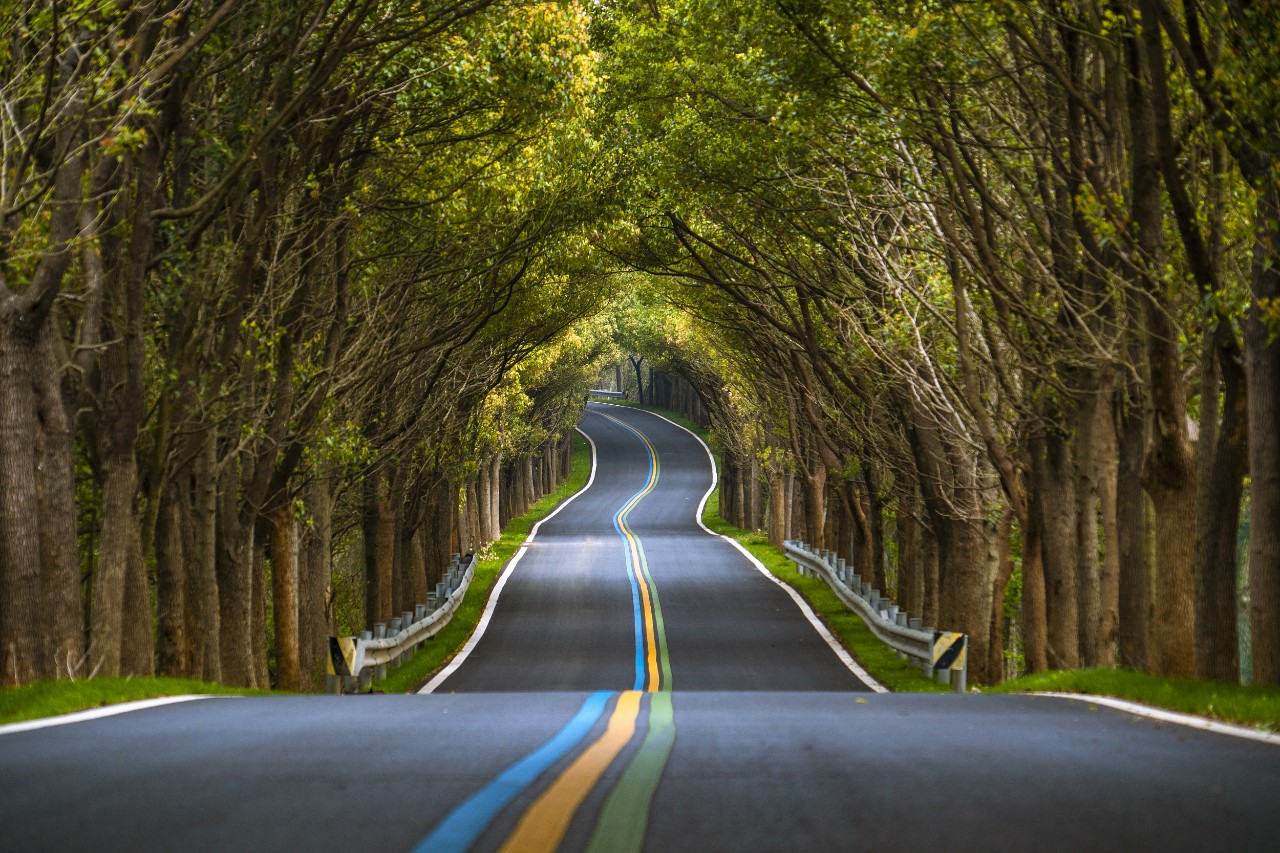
640	686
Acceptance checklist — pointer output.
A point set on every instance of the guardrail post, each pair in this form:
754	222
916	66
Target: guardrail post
364	679
900	619
392	629
380	633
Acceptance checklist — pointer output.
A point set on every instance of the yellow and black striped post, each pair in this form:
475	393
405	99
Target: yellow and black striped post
342	662
949	657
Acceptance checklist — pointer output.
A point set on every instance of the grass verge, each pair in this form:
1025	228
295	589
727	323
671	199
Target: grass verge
1254	705
53	698
441	648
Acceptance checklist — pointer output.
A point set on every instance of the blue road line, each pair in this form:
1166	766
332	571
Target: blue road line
635	609
633	571
466	823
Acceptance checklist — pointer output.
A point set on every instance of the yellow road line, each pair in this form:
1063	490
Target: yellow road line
543	826
651	641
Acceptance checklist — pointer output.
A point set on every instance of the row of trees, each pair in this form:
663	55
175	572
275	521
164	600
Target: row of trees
270	272
999	277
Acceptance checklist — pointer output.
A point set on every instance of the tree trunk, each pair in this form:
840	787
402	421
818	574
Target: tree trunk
875	523
315	578
929	569
235	549
60	571
171	597
1003	572
1171	486
739	499
1054	481
777	505
379	548
728	474
1108	496
754	520
1035	625
284	596
815	506
204	622
635	364
258	626
1086	517
484	505
910	579
1131	526
437	526
114	550
1168	469
1223	463
495	499
138	640
20	588
1262	365
965	604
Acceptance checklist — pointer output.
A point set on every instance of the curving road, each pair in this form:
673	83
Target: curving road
639	686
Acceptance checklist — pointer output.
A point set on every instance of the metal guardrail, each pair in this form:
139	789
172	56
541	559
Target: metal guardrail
356	662
601	392
943	653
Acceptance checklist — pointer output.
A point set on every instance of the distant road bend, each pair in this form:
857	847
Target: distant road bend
639	685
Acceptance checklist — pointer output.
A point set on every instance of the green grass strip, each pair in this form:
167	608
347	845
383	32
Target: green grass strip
54	698
441	648
1254	705
625	816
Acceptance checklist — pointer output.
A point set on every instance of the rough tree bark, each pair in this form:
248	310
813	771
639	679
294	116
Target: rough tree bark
315	575
1054	483
1262	365
284	595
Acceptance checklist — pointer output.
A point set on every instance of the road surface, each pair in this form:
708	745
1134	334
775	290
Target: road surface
639	686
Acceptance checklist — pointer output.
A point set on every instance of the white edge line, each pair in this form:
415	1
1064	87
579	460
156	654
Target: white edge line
818	625
1164	716
474	640
98	713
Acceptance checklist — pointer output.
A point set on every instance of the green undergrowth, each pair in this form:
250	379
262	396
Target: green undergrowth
441	648
1255	705
52	698
875	657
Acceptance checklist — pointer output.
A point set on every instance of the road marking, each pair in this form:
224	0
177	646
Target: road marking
544	824
653	661
823	631
1164	716
466	823
624	819
99	713
474	640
